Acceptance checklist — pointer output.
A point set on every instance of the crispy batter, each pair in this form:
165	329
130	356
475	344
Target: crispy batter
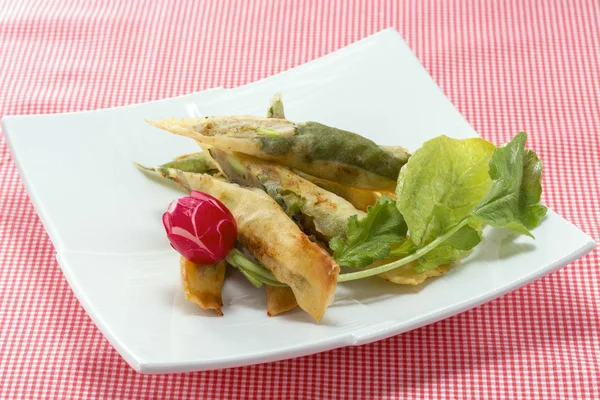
279	300
359	198
328	211
235	126
406	274
202	283
314	148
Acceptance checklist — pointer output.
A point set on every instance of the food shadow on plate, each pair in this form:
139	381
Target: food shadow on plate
500	244
366	291
238	292
373	289
177	300
174	297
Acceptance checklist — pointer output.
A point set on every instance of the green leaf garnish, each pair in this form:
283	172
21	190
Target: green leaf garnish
370	238
403	261
407	248
441	183
512	201
446	204
450	249
437	188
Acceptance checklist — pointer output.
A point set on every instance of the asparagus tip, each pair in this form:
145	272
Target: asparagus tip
143	167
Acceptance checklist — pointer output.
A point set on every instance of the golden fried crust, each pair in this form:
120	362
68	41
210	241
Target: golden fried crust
279	300
329	211
255	136
406	275
202	283
361	199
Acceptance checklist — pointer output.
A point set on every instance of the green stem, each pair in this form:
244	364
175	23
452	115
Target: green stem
143	167
268	132
238	260
403	261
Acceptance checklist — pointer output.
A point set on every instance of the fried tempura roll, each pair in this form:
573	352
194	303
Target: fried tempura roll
327	211
202	283
273	239
361	199
311	147
279	300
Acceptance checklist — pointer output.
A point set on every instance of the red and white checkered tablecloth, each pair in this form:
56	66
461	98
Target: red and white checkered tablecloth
507	65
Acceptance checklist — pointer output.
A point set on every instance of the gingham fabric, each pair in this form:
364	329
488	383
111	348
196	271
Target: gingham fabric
508	66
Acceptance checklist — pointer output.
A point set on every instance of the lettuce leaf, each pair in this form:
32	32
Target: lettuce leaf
441	183
437	189
370	238
512	201
450	249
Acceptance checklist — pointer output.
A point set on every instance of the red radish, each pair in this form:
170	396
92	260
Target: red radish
200	228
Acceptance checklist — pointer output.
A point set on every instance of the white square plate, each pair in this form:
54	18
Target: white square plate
103	216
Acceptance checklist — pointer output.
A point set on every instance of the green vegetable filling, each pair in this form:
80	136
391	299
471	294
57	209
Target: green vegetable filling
197	162
318	142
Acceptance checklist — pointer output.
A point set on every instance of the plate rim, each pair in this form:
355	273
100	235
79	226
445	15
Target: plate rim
371	333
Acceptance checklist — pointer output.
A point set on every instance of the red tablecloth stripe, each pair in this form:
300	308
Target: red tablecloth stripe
507	65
